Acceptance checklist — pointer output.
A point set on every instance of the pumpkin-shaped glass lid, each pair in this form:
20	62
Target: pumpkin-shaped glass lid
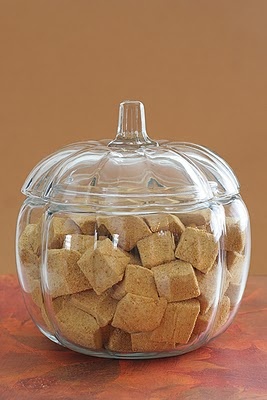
130	166
221	177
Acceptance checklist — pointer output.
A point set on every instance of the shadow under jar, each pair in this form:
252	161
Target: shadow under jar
132	248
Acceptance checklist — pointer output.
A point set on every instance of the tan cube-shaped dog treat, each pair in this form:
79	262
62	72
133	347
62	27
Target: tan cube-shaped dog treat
175	225
156	249
235	264
157	222
164	222
197	247
119	341
176	281
79	242
138	313
64	274
197	218
109	266
235	237
222	314
178	322
79	327
142	342
30	239
101	307
137	280
103	267
127	230
86	223
59	228
186	316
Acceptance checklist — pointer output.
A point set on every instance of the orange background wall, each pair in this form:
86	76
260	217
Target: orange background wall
200	67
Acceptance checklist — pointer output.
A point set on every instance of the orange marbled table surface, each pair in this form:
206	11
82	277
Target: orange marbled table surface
232	366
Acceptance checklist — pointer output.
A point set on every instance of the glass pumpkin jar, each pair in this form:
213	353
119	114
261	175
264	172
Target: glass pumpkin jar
131	248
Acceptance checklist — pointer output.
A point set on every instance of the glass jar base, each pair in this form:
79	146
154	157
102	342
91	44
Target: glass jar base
130	356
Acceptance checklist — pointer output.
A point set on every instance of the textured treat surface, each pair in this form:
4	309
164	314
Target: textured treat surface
156	249
101	307
63	273
104	266
176	281
138	313
197	247
137	280
79	327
